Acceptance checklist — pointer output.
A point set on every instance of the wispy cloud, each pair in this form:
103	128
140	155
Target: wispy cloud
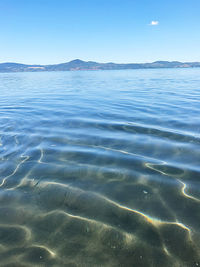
154	23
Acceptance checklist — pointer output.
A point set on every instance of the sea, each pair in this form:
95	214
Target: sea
100	168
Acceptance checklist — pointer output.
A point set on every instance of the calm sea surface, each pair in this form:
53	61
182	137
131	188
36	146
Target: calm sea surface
100	168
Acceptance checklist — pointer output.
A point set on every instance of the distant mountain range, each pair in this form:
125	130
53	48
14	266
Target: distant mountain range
78	64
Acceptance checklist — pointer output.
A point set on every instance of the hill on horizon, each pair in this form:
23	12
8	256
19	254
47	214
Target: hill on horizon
78	64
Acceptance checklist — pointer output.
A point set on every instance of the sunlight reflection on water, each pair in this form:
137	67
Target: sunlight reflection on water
100	168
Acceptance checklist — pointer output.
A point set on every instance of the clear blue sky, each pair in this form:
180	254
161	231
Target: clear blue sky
54	31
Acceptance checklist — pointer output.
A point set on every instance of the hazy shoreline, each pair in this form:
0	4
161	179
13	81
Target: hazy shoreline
77	65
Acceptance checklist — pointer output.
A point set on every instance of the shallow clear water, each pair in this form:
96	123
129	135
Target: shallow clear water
100	168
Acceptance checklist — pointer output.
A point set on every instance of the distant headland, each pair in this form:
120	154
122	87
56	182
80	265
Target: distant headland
78	64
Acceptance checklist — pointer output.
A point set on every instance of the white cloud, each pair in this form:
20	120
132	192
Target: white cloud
154	23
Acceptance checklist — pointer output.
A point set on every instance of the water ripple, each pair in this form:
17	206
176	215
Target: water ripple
100	169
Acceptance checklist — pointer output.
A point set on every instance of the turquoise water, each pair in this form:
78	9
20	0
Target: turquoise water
100	168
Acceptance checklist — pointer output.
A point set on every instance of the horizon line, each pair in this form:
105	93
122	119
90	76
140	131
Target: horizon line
109	62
